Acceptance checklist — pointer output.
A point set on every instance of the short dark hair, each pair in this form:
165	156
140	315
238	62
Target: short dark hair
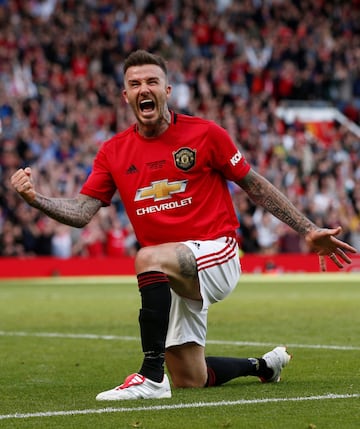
141	58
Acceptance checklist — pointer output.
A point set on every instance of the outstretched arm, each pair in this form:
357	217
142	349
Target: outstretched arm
75	212
322	241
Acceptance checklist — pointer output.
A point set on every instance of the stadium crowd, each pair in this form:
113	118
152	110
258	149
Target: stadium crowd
230	61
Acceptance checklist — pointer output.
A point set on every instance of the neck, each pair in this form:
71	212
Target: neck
154	130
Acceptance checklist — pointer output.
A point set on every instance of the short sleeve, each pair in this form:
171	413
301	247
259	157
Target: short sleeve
100	184
225	155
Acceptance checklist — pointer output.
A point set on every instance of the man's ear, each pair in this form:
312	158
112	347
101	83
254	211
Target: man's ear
125	96
168	90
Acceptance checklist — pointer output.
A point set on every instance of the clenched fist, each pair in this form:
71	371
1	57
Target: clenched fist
22	182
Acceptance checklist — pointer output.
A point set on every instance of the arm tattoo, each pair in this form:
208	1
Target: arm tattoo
263	193
187	261
75	212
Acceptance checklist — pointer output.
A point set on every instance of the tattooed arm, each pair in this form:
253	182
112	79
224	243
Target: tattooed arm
320	240
72	211
75	212
264	194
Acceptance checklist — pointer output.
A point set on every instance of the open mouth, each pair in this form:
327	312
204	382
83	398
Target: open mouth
147	105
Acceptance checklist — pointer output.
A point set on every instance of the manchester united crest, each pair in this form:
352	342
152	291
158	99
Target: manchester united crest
184	158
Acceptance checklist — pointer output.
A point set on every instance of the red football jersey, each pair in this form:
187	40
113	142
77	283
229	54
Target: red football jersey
174	186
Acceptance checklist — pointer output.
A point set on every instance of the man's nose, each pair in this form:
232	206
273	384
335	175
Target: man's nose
144	88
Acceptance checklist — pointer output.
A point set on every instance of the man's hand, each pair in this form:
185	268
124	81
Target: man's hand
323	241
22	182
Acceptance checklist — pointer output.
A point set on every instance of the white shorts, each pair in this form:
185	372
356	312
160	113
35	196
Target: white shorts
219	272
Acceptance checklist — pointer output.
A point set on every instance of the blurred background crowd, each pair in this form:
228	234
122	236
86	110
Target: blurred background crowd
230	61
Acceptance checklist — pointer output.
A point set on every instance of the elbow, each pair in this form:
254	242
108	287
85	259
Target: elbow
80	225
83	221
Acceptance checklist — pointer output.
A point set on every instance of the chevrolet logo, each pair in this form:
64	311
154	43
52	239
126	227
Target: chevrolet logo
160	190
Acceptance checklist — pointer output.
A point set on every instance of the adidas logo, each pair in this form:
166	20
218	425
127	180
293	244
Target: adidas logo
132	169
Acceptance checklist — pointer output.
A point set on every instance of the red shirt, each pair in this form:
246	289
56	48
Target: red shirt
174	186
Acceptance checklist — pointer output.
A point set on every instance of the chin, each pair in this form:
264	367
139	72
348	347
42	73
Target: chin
151	119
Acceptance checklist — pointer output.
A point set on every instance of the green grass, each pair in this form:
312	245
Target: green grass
317	316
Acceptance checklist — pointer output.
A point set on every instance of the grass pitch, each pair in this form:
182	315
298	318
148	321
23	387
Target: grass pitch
63	340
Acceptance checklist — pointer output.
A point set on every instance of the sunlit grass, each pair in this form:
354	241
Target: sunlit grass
317	315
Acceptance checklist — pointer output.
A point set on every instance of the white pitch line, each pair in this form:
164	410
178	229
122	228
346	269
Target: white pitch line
178	406
128	338
70	336
292	346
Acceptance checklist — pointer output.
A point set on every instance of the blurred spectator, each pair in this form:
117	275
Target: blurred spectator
116	239
268	231
92	240
290	241
62	242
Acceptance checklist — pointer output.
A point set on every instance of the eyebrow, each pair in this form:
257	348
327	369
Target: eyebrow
146	78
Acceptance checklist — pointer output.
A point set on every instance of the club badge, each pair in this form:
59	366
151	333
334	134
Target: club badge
184	158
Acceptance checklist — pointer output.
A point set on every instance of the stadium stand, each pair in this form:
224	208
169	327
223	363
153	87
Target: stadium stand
233	62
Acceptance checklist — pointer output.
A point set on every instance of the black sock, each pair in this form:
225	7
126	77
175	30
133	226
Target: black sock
154	320
223	369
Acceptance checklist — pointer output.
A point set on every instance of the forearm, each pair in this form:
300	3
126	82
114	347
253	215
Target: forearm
75	212
266	195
